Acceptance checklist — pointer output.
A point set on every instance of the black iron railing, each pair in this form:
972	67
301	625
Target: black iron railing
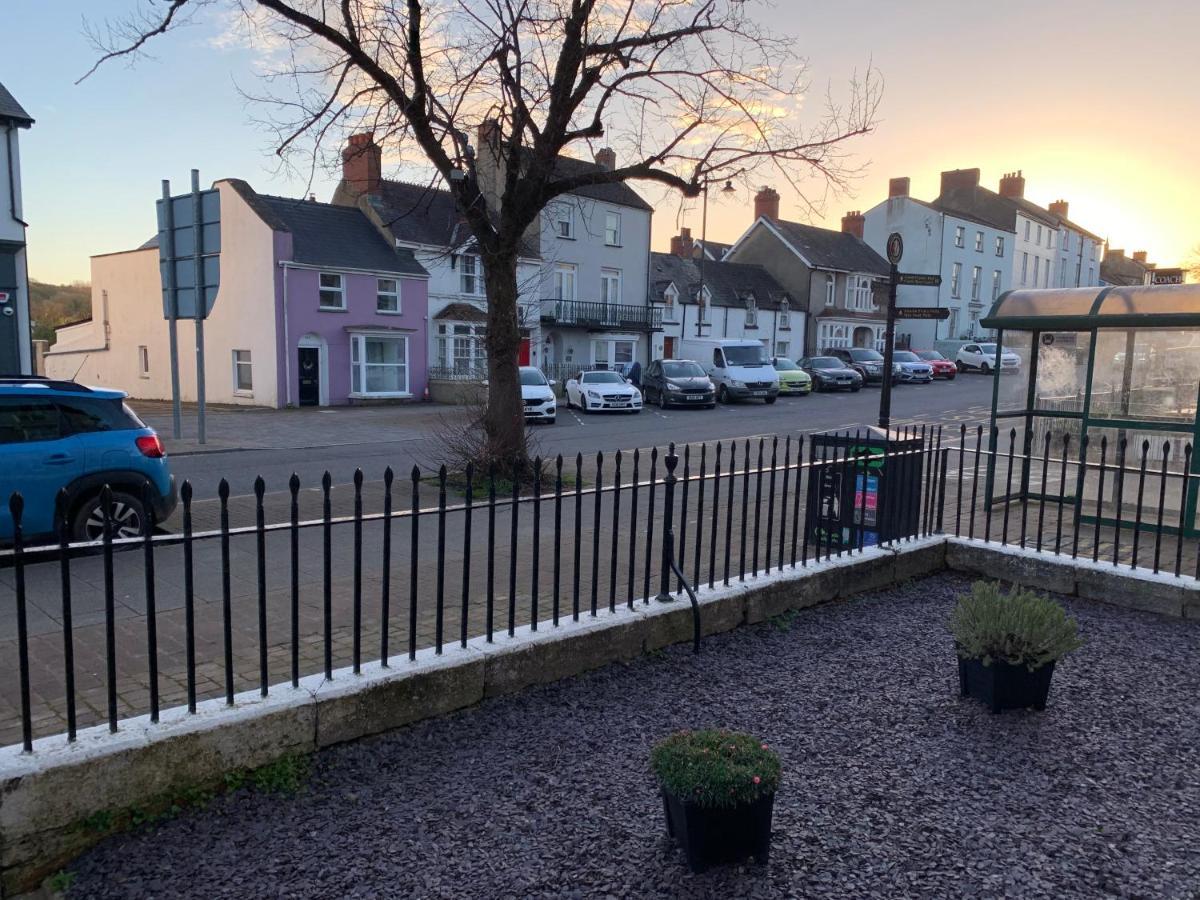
488	556
598	314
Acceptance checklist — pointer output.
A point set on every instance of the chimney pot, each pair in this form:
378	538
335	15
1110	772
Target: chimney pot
1139	256
898	187
362	164
1012	185
606	158
1059	208
681	244
854	223
766	204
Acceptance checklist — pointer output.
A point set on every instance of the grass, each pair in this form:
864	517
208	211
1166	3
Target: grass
60	882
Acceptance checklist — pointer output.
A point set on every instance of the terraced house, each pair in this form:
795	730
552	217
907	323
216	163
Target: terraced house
15	345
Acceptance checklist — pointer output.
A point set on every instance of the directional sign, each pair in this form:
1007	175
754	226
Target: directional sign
919	280
177	246
922	312
895	247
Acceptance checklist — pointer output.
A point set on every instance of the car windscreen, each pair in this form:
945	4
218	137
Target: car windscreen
826	362
682	370
990	349
532	378
746	356
929	354
861	354
905	356
785	365
602	378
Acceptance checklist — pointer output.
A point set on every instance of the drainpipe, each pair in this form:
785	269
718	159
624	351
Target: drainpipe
287	348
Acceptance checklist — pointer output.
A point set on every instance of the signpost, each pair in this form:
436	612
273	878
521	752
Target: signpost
189	247
922	312
919	280
895	251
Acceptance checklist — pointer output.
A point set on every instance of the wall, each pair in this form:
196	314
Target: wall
761	247
730	322
1035	249
243	318
12	230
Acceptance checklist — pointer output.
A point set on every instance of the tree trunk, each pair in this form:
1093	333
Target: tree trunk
504	419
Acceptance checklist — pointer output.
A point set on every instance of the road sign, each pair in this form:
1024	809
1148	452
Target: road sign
922	312
178	252
1166	276
895	248
914	278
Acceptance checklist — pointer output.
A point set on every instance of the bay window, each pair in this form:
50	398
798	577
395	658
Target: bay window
378	365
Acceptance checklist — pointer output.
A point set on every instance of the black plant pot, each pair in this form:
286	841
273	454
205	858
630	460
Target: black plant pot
713	836
1002	685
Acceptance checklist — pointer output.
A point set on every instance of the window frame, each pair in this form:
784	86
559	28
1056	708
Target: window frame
956	280
51	406
609	217
607	277
996	278
976	278
143	352
978	241
830	289
561	269
359	365
380	293
560	218
323	289
469	267
248	362
785	318
1000	245
960	236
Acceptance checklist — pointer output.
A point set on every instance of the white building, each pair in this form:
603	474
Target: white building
15	333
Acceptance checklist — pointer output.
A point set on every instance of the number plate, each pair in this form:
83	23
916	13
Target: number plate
758	393
695	397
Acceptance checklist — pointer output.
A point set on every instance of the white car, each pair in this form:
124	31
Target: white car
595	391
983	358
540	405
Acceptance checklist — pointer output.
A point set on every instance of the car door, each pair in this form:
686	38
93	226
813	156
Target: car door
652	381
573	392
36	459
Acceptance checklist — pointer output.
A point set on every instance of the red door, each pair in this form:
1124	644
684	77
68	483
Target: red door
523	353
668	348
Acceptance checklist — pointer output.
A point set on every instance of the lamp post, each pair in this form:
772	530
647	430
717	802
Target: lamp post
698	255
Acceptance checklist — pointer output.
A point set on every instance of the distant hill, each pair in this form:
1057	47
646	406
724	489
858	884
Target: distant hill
53	305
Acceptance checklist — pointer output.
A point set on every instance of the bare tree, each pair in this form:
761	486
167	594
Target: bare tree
687	91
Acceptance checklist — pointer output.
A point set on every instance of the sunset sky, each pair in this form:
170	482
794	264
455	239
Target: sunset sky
1094	101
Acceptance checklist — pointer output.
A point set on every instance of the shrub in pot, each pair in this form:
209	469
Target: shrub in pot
718	790
1007	645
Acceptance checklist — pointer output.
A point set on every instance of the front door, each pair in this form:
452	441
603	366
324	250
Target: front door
310	376
668	348
523	353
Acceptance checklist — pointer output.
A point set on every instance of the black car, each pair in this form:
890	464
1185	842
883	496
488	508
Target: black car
831	374
677	381
866	362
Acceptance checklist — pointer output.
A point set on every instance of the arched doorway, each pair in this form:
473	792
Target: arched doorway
312	371
864	336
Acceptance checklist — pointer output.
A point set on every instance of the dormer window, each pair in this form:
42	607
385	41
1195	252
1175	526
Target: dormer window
751	312
670	295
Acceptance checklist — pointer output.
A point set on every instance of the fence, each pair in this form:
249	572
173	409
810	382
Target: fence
413	574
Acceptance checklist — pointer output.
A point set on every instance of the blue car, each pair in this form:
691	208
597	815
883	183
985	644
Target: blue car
59	434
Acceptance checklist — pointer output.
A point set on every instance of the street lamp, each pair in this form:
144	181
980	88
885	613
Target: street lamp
698	255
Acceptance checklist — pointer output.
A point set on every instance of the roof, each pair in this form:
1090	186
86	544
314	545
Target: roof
327	235
1117	268
462	312
715	250
978	204
824	248
50	387
11	110
420	214
1082	309
728	284
618	192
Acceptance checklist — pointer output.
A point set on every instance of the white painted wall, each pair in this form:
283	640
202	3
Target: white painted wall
128	286
730	322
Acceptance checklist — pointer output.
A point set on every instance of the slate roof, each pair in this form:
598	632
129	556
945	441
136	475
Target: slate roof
715	250
978	204
419	214
619	193
828	249
328	235
11	110
727	283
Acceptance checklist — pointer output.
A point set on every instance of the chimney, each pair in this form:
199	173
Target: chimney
766	203
1059	208
488	132
606	158
1139	256
362	164
681	244
1114	253
898	187
1012	185
854	223
960	179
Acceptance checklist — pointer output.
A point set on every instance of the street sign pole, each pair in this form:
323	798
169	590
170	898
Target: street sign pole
201	300
172	310
895	250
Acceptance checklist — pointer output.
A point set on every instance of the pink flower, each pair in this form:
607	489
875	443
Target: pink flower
757	780
764	746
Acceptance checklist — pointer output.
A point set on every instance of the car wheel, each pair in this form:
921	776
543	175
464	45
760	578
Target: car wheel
662	400
985	368
126	513
722	394
960	365
769	400
855	388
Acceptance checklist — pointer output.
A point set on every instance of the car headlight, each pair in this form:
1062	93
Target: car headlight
733	382
593	394
672	386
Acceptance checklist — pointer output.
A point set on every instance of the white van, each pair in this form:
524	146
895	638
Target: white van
741	369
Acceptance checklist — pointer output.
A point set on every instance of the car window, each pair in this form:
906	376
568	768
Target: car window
83	416
718	360
865	355
783	364
602	378
988	348
682	370
532	378
826	362
971	348
905	356
24	420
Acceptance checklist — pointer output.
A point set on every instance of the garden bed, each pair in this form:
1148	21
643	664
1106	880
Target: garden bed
892	784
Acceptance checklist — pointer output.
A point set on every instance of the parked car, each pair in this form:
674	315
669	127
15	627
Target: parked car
596	391
793	380
678	381
983	358
831	374
910	368
866	362
540	405
739	368
59	434
942	367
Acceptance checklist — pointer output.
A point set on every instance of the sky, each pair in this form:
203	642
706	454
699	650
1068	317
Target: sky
1093	100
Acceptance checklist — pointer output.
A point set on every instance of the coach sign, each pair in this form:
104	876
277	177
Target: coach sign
1166	276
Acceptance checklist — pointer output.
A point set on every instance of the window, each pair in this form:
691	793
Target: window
952	325
461	346
608	353
702	304
782	348
785	318
564	221
243	373
143	361
751	312
830	288
995	283
979	242
378	365
1028	225
1038	241
1050	238
1091	277
959	231
718	359
470	276
612	229
833	336
333	292
387	295
610	285
1024	268
955	278
1066	241
858	293
670	295
24	420
564	282
1046	279
1037	261
999	245
976	275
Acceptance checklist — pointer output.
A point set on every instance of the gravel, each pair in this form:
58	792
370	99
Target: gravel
893	785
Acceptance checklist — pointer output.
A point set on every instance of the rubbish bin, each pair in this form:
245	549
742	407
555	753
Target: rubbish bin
857	495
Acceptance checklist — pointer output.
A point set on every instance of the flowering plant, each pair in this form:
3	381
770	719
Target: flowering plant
715	768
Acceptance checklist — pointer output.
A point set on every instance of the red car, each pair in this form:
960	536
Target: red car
942	367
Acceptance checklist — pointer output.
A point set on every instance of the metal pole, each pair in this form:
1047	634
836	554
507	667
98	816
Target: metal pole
167	253
889	338
703	250
200	299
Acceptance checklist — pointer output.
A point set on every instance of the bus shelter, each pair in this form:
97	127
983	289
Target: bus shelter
1105	376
